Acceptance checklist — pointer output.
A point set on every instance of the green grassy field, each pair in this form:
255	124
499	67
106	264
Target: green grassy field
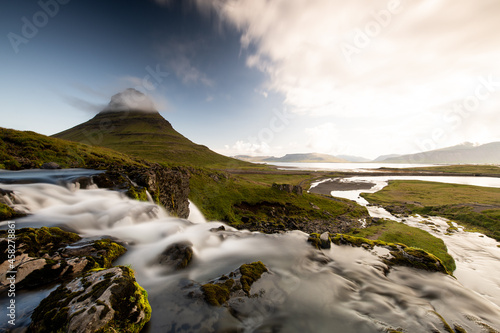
466	169
221	197
473	206
395	232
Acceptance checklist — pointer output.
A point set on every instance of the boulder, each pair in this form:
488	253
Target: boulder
42	256
177	256
50	166
108	300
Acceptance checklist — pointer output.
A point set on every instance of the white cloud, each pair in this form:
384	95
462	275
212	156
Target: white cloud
178	58
247	148
425	55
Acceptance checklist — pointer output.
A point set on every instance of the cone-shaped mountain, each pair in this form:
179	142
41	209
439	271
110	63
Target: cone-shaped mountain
130	124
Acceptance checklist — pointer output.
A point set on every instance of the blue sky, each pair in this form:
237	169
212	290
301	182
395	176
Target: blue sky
262	77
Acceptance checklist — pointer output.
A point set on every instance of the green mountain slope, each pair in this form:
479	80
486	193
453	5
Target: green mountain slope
145	135
28	150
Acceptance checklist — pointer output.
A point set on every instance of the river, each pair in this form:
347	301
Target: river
343	289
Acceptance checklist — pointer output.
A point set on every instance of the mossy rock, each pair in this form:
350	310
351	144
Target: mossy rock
220	291
217	293
251	273
37	242
107	252
7	213
401	254
101	301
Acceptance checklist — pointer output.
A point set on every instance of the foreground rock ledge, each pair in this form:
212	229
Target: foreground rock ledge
107	300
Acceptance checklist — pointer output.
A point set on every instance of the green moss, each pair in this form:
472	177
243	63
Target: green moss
402	255
6	212
217	293
37	242
395	232
111	251
317	242
138	193
251	273
128	300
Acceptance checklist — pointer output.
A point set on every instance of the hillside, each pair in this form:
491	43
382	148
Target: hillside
28	150
465	153
144	134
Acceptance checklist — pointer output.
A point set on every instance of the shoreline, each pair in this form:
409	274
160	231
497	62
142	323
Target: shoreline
337	184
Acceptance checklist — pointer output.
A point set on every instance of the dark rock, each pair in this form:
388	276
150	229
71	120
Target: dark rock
221	228
42	256
106	301
168	186
177	256
50	166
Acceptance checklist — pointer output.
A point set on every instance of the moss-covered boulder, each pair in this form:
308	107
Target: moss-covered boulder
176	256
108	300
235	284
400	254
42	256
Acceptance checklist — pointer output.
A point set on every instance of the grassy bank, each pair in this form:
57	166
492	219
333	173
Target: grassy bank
471	169
472	206
234	199
395	232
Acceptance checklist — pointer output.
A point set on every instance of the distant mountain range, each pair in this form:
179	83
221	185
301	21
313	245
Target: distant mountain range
301	158
466	153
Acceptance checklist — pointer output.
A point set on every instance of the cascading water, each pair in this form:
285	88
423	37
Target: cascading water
343	289
477	257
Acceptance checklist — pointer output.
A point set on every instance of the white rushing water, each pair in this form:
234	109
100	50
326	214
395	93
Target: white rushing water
343	289
477	257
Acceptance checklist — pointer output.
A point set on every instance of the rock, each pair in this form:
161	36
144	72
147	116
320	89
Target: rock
236	284
107	300
297	189
320	241
42	256
221	228
177	256
50	166
167	186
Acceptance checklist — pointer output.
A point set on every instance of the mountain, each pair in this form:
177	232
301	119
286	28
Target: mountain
253	159
382	158
465	153
130	124
354	159
306	158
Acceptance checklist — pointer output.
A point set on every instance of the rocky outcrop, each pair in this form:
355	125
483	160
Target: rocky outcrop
399	254
236	284
108	300
167	186
41	256
297	189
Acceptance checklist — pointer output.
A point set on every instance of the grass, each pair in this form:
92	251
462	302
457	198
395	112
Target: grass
395	232
460	169
223	197
473	206
27	150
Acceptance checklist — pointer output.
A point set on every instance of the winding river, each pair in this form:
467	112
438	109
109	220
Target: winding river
343	289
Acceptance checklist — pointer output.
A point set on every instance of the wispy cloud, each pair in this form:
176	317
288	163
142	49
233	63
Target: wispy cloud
178	58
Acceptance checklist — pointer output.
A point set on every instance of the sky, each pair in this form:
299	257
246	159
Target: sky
262	77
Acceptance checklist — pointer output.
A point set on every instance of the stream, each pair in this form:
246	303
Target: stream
342	289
